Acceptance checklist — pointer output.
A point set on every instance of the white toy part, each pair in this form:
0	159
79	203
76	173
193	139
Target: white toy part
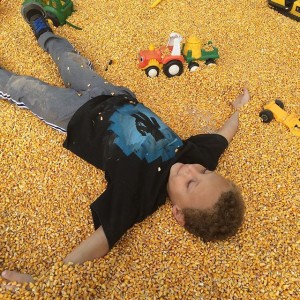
175	42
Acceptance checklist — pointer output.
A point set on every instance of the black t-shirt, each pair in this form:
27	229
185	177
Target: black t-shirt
136	150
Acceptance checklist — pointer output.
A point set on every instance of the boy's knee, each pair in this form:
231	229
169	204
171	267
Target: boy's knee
74	58
54	44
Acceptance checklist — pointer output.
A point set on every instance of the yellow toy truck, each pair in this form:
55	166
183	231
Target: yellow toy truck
274	109
290	8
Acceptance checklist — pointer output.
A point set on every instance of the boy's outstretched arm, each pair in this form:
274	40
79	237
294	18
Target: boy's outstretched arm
230	127
95	246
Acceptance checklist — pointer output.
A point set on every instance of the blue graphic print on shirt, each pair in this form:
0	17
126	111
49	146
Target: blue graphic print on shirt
138	130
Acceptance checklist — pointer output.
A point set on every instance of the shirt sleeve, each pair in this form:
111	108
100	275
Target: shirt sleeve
116	211
206	149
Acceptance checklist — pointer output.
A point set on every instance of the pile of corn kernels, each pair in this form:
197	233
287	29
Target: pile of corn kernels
46	190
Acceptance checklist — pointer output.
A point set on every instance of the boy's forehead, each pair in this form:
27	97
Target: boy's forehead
207	192
204	197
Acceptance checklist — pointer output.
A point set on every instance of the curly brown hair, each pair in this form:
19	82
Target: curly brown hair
219	222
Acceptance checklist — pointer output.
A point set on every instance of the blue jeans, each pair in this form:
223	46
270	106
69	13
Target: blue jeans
56	105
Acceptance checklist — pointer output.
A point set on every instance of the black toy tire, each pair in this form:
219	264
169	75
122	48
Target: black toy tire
169	65
53	18
279	103
193	66
151	69
210	62
266	116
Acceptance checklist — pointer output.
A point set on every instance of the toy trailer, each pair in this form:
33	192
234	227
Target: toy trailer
193	50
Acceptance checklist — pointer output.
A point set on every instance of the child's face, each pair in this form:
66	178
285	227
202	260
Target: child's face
193	186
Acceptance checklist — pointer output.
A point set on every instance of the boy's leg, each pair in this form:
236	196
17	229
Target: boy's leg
54	105
76	70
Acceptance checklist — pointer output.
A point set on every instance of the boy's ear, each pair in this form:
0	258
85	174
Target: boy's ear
178	214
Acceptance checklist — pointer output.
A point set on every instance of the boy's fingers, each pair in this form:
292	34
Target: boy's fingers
243	98
16	276
9	287
15	280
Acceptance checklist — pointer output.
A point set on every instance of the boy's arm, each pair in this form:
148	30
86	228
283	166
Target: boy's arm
95	246
230	127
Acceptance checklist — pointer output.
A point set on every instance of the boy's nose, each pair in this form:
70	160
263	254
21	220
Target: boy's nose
188	171
197	169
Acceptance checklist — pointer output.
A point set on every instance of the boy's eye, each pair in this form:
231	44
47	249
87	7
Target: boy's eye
190	183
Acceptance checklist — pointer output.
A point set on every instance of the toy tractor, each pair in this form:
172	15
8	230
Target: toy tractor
274	109
170	58
290	8
55	10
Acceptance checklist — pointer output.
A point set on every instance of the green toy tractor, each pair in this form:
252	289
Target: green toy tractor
55	10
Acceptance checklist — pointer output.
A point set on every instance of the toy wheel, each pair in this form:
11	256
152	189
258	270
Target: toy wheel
210	62
53	18
173	68
193	66
279	103
152	71
266	115
29	9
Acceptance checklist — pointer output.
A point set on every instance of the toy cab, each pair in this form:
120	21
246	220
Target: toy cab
275	109
290	8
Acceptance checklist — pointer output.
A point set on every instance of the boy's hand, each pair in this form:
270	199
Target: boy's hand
95	246
241	99
230	127
14	276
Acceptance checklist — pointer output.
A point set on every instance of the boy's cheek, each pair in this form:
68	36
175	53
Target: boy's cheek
177	188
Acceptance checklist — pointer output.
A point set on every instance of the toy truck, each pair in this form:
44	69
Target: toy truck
290	8
275	109
55	10
170	58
